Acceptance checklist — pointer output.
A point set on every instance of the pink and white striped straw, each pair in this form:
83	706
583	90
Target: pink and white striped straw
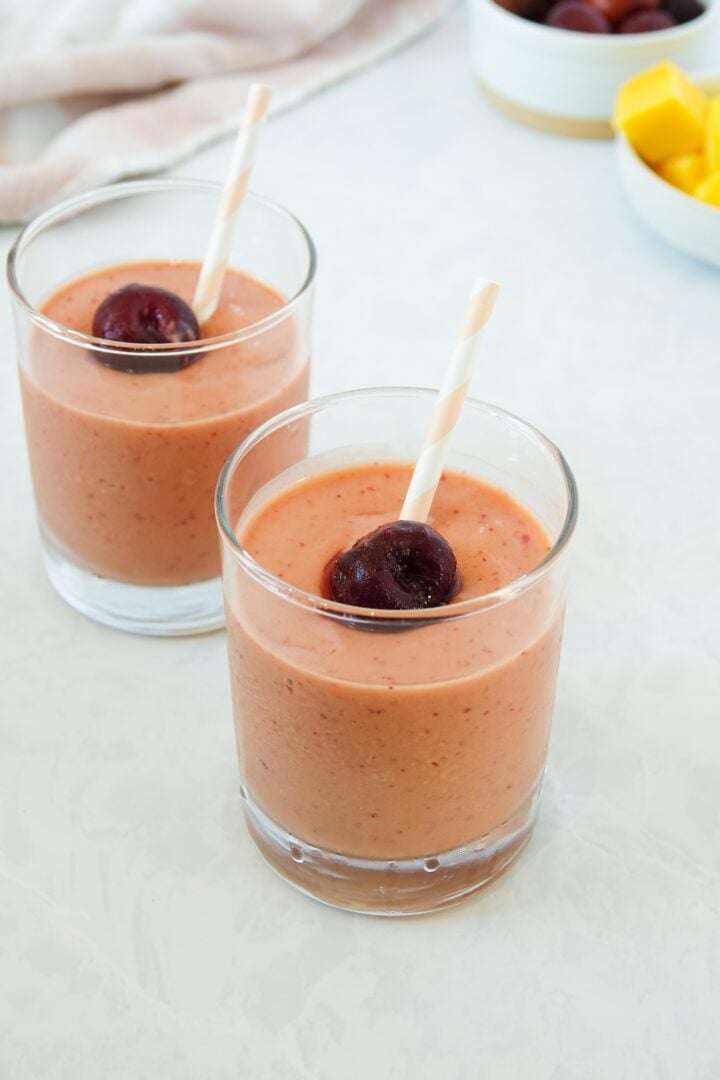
207	291
429	466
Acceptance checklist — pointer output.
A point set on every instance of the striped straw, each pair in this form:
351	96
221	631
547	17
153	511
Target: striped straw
429	467
207	291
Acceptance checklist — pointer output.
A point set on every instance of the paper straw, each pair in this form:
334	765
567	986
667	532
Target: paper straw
207	291
429	467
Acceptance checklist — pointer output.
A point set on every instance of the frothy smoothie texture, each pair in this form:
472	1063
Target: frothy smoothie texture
124	462
399	744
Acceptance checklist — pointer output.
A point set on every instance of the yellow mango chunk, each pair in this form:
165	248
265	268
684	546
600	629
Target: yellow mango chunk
684	171
713	135
662	113
709	190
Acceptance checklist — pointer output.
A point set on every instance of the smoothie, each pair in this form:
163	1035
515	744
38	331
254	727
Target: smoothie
124	464
396	745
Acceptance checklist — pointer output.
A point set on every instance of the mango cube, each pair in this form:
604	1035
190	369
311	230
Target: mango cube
709	190
713	135
684	171
662	113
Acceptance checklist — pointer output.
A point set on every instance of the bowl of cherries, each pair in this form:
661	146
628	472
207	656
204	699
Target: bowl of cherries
557	64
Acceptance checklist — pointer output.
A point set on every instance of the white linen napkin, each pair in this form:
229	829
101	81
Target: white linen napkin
94	90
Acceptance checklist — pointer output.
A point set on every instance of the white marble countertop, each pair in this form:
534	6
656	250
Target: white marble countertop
141	936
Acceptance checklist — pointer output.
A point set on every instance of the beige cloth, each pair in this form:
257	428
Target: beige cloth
93	90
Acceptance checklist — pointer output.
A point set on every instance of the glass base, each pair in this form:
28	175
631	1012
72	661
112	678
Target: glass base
389	886
162	611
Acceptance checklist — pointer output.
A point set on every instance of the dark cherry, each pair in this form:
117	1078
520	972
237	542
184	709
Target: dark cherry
402	566
145	315
683	11
645	22
577	15
535	10
617	10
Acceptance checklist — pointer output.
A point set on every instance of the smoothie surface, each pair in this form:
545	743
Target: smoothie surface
219	381
296	533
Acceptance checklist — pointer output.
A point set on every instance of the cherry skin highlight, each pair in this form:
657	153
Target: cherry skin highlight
145	315
402	566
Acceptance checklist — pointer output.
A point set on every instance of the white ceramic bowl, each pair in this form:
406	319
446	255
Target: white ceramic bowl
566	82
688	224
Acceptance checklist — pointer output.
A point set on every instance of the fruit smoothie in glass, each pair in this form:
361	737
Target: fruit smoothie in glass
391	759
131	407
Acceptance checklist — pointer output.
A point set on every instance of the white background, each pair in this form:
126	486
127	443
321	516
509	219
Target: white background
140	934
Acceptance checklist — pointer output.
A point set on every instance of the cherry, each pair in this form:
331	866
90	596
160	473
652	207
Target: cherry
535	10
683	11
402	566
579	16
616	10
645	22
145	315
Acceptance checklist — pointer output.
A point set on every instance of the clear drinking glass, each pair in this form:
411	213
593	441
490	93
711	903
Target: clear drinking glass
124	464
411	806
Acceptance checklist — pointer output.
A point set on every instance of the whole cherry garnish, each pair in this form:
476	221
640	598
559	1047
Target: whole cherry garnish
145	315
577	15
402	566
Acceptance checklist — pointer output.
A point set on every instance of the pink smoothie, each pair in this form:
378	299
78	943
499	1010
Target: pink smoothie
392	745
125	465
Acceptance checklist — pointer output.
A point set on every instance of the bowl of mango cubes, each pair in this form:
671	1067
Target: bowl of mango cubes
668	126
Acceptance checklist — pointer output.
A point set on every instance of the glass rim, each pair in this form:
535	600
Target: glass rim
74	205
376	617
